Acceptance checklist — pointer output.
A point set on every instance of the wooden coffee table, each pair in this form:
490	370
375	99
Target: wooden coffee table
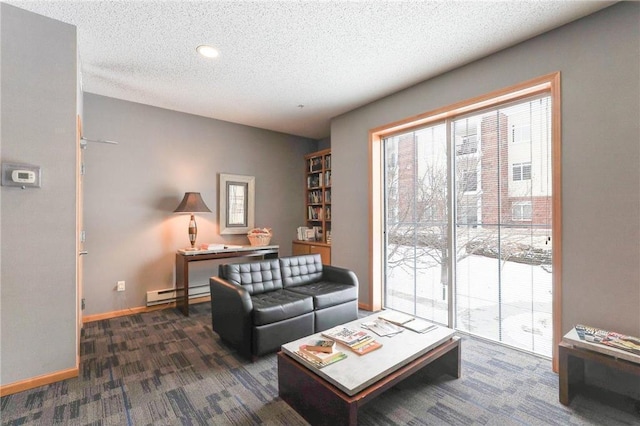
334	394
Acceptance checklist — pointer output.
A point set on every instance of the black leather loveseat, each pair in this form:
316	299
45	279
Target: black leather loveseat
258	306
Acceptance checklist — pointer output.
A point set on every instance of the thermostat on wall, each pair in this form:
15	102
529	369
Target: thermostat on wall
23	175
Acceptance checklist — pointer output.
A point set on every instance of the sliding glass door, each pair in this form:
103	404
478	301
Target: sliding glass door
478	186
417	225
503	223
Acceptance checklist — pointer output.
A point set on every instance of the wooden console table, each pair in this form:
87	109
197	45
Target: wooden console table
184	257
573	353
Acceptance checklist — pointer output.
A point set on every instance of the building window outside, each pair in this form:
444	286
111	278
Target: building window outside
470	181
521	133
468	145
467	214
521	211
521	171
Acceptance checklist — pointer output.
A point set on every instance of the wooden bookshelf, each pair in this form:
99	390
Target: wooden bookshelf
317	205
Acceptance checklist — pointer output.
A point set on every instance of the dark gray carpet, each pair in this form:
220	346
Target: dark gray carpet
161	368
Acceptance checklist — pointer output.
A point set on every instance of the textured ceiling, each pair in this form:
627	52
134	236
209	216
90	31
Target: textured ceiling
330	56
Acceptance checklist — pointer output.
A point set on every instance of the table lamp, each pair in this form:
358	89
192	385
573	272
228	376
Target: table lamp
192	203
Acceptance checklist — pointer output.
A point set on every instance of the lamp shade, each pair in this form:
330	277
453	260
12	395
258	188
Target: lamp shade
192	203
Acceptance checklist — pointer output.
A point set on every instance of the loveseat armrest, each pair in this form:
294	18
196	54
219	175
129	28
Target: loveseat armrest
339	275
231	309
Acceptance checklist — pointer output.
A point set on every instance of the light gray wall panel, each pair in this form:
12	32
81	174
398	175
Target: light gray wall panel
132	188
598	57
38	249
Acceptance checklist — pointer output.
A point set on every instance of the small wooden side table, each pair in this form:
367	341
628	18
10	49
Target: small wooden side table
572	354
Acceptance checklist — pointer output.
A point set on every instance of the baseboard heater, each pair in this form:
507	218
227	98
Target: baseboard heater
168	295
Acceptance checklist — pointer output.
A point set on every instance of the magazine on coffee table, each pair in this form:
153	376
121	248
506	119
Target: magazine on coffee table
347	336
358	341
382	327
420	326
395	317
407	321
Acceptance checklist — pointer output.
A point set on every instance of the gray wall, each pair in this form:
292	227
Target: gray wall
132	188
38	248
324	144
598	57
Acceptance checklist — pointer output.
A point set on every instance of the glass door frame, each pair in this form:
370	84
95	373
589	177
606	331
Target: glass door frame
416	221
545	84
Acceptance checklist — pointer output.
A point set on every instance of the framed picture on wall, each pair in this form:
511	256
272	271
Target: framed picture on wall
236	204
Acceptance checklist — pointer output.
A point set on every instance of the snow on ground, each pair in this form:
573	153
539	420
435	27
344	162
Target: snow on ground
504	301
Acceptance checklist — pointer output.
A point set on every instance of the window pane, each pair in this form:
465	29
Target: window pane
470	181
477	281
500	189
517	172
417	225
503	275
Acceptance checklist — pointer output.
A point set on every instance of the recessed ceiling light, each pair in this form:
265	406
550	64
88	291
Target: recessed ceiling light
207	51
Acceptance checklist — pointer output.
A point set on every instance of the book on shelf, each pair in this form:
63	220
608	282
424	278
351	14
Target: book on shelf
315	196
302	233
317	233
395	317
314	181
321	345
315	164
327	178
315	213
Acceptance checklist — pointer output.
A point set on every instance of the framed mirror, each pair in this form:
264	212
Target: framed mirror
236	204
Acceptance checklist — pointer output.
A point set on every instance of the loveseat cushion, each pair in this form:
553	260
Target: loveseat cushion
278	305
327	294
255	277
300	270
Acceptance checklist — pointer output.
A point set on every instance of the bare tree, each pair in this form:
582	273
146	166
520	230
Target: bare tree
417	220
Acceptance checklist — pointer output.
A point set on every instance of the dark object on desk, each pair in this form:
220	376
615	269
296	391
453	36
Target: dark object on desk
258	306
